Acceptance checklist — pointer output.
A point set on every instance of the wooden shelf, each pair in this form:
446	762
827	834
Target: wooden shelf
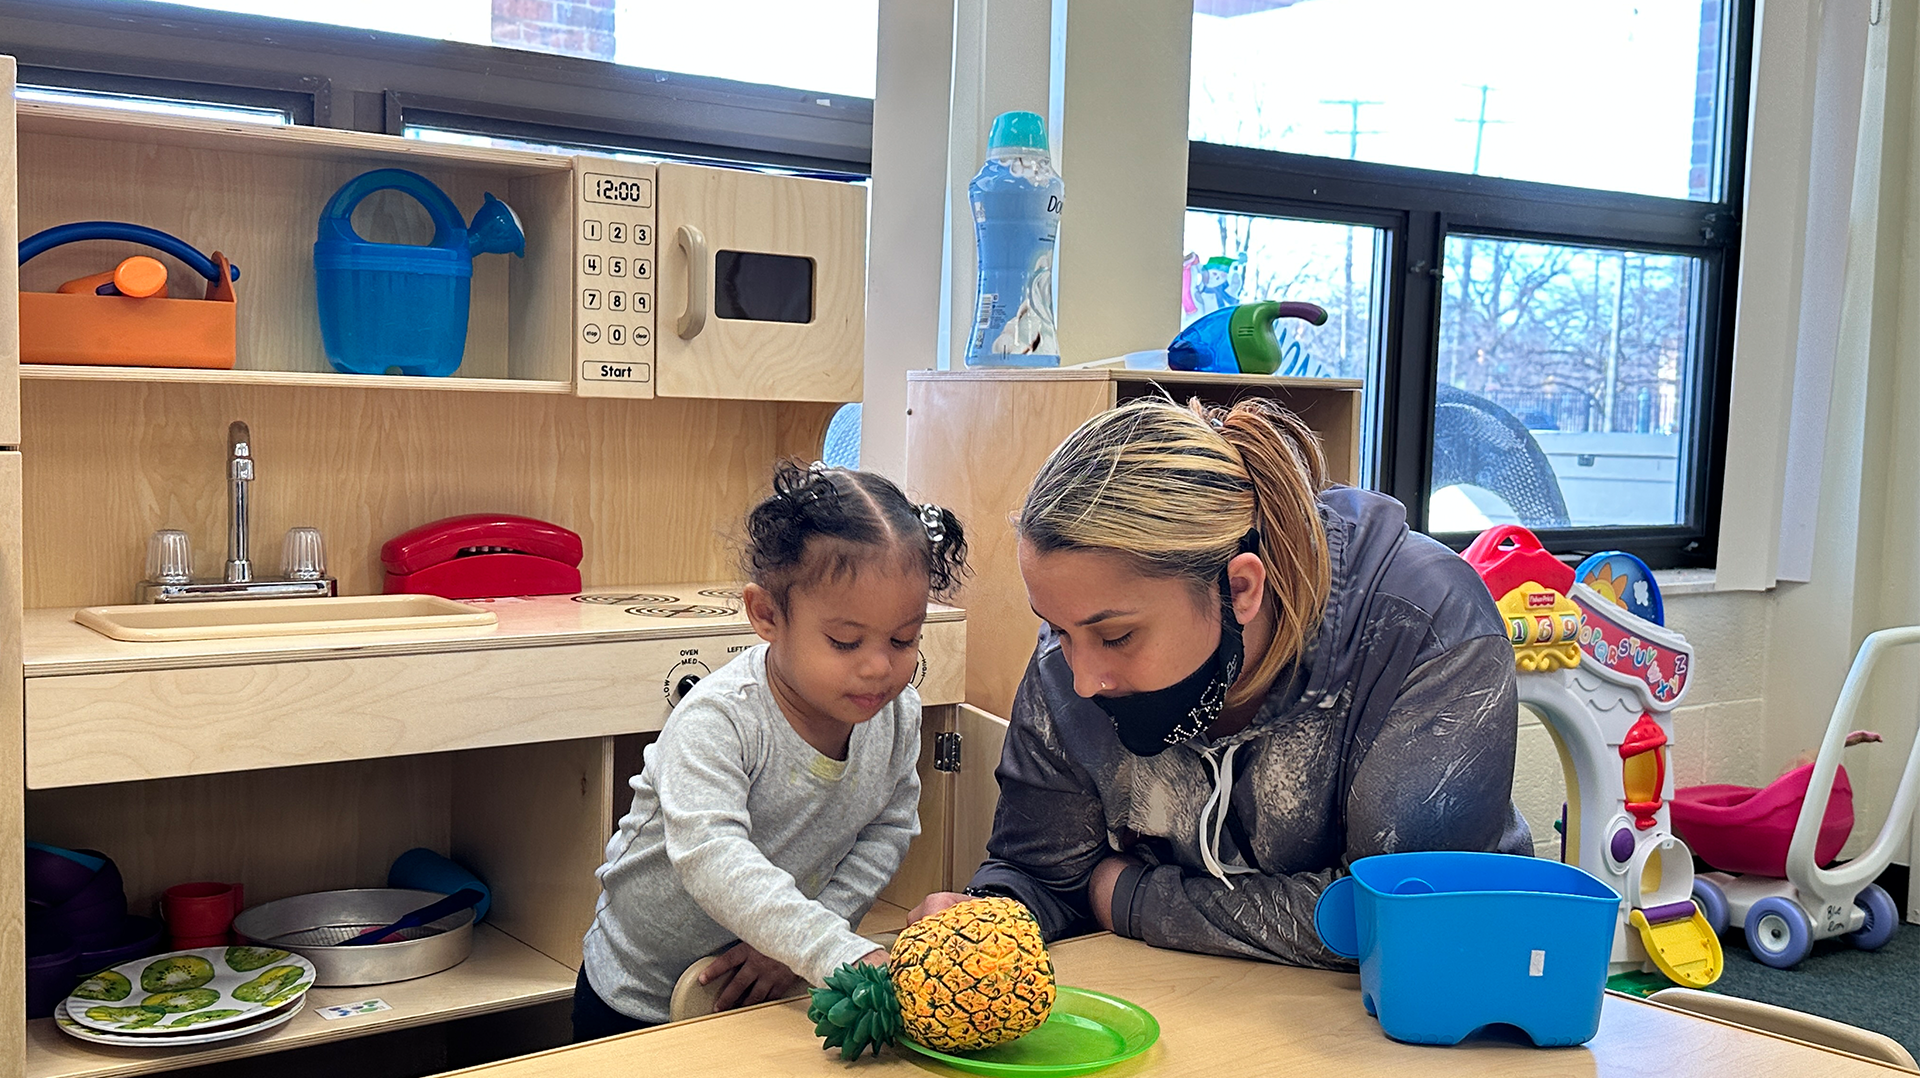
294	140
502	974
55	372
1110	371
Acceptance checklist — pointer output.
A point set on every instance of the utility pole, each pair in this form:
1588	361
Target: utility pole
1353	133
1479	123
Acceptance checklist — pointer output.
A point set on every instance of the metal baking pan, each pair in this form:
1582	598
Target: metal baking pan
309	924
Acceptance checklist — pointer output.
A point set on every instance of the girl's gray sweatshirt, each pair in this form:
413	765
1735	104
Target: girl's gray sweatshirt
1394	731
740	831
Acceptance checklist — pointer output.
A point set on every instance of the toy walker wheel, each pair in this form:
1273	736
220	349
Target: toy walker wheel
1712	902
1882	919
1779	932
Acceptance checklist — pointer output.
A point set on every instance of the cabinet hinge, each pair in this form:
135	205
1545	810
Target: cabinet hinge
946	752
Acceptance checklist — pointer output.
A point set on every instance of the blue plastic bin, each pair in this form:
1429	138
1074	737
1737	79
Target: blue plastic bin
1451	942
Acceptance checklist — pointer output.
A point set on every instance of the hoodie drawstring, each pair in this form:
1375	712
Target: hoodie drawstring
1217	806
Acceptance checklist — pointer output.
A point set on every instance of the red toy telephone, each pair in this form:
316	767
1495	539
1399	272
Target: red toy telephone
484	556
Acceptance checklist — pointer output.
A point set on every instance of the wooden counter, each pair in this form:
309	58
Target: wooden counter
556	667
1219	1017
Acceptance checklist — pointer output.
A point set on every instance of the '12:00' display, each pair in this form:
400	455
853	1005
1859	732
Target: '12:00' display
619	190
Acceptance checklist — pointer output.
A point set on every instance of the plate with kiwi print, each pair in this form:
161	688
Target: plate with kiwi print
198	991
196	1033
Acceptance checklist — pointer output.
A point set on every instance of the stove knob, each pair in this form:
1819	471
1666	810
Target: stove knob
684	686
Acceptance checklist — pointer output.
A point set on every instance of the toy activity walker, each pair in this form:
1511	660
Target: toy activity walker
1781	835
1605	681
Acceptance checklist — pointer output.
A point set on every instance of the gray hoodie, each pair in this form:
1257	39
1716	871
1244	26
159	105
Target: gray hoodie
1394	731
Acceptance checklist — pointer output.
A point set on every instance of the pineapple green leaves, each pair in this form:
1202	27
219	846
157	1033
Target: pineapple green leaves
856	1010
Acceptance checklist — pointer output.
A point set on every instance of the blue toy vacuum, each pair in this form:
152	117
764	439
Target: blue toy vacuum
1239	340
396	305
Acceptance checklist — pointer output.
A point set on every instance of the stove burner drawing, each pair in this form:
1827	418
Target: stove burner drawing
689	611
619	600
722	593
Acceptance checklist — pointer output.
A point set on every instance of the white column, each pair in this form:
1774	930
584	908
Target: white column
906	212
1120	117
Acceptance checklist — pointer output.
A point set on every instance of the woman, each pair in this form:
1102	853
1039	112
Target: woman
1244	683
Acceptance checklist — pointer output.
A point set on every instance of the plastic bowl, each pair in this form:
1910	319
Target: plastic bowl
53	878
137	937
53	968
93	925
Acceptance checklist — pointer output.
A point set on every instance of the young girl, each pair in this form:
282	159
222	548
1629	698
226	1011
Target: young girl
782	793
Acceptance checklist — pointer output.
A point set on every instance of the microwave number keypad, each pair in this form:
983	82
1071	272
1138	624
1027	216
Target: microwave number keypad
613	279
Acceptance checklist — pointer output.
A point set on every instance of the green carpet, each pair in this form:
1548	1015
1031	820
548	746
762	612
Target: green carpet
1877	990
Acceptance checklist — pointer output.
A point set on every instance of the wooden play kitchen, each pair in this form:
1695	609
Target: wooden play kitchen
293	764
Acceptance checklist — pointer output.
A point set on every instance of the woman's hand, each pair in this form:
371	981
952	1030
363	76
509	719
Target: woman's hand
753	978
935	902
877	957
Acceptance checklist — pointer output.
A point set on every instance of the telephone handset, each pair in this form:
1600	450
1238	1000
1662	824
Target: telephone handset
483	556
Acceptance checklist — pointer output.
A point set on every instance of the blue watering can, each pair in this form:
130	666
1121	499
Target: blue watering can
394	305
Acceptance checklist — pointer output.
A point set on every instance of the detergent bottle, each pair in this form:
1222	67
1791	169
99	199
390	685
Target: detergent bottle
1016	220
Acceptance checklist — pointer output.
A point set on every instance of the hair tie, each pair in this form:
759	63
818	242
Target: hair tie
1216	424
936	526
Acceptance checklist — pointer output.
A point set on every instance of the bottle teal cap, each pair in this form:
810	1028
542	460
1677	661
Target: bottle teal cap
1018	131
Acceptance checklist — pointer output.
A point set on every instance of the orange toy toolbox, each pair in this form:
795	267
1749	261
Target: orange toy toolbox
124	318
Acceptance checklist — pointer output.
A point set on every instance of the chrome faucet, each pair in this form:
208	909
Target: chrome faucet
239	474
170	562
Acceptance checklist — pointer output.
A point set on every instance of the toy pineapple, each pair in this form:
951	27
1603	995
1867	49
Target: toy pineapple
970	977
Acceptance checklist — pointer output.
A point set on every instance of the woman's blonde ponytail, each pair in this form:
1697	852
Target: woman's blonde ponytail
1283	459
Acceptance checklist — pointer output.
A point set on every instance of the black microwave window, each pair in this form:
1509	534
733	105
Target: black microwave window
755	287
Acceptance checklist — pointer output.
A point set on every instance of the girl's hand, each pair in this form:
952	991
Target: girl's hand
934	903
752	978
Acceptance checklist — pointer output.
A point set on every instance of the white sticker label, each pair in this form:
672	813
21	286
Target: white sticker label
349	1010
1537	964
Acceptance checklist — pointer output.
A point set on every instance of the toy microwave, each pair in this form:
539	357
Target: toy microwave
691	281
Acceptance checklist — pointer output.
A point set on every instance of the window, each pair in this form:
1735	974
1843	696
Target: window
1522	220
757	82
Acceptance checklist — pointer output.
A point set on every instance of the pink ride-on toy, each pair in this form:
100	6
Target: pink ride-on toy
1779	836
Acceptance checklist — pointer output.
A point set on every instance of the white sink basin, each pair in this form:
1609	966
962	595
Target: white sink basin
227	619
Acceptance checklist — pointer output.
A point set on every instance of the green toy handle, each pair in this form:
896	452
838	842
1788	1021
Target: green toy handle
1250	328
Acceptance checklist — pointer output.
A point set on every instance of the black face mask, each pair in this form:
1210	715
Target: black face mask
1149	723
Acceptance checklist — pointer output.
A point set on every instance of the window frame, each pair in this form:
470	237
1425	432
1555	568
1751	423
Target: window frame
381	82
1417	209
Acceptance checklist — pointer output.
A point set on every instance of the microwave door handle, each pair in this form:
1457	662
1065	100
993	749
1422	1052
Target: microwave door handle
695	247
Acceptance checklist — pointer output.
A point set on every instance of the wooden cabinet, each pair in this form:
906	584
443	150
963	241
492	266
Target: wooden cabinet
310	763
976	438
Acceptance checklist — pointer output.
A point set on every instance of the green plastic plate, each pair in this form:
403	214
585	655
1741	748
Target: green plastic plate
1085	1032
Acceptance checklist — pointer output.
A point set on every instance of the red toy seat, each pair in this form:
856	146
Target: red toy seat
1747	830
